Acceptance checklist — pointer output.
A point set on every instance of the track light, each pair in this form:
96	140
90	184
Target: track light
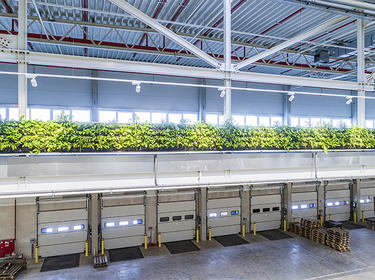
349	100
32	78
137	86
291	96
222	92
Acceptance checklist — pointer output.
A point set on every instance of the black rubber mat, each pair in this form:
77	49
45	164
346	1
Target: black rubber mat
350	225
274	234
125	254
230	240
60	262
178	247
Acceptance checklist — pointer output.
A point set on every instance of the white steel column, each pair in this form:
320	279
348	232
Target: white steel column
228	60
361	102
22	65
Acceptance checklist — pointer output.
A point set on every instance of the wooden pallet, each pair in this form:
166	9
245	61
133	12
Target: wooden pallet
338	239
11	267
100	261
371	223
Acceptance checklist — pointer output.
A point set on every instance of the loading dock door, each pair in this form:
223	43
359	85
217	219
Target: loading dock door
304	205
176	216
367	199
122	225
265	209
62	231
224	215
338	204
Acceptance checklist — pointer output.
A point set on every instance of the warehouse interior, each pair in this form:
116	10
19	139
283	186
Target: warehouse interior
189	214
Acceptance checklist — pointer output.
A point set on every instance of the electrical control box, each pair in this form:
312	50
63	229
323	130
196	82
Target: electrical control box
321	56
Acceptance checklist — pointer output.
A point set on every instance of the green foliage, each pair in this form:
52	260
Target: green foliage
66	136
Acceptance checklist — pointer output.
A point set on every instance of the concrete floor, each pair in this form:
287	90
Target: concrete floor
287	259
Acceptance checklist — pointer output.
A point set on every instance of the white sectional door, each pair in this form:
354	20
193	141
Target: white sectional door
224	215
177	220
338	204
63	231
367	201
122	225
265	211
305	205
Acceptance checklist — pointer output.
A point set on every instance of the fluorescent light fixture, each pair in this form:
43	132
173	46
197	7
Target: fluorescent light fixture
110	224
62	229
223	214
329	203
349	100
78	227
294	207
361	201
291	96
212	215
137	86
123	223
337	203
304	206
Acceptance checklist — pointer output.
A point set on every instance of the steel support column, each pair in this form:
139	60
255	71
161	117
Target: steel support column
202	102
94	97
228	60
94	220
356	195
21	59
361	102
202	212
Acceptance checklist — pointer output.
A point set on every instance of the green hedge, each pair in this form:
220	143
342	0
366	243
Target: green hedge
65	136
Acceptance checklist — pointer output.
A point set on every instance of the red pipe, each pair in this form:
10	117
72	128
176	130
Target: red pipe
179	11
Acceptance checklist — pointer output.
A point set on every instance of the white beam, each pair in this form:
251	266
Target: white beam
361	102
165	31
93	63
228	59
356	4
21	59
288	43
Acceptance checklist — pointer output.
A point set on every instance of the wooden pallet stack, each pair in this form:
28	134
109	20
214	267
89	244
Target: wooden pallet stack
320	235
338	239
295	227
11	267
371	223
308	226
100	261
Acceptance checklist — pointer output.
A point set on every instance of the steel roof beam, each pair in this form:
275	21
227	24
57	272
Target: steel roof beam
288	43
166	32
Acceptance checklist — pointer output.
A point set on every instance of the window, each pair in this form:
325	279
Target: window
137	222
337	203
329	203
125	117
276	121
190	118
326	121
40	114
312	205
368	200
295	207
221	120
109	224
123	223
164	219
346	122
239	120
211	119
13	114
304	206
234	212
266	209
46	230
264	121
175	118
3	114
336	123
346	202
158	118
369	124
223	214
212	215
294	122
252	120
189	217
176	218
256	210
62	229
107	116
314	122
275	208
58	114
81	115
78	227
361	201
143	117
304	122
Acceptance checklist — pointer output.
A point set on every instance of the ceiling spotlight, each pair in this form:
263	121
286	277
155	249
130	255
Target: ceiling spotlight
137	86
349	100
291	96
222	92
32	80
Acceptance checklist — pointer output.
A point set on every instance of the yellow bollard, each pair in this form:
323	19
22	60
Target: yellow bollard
330	217
36	254
243	230
197	237
255	229
284	224
102	246
355	217
86	248
145	241
321	220
294	220
209	233
363	216
159	240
